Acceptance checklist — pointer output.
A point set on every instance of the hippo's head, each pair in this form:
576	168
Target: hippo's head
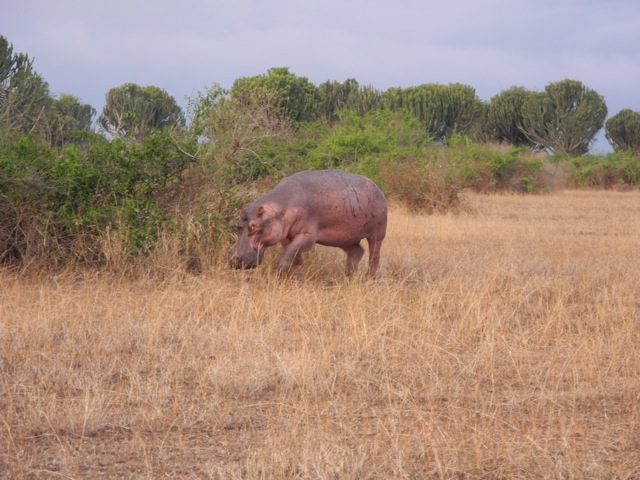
257	228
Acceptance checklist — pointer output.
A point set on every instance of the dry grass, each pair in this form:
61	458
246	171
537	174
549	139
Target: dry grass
501	343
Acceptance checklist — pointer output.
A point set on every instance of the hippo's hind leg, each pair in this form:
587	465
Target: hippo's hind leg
354	254
375	245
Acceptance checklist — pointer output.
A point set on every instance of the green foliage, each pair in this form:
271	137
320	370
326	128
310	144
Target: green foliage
241	128
133	111
347	96
426	184
565	118
356	141
488	168
69	121
24	95
504	117
623	131
200	106
620	170
443	110
24	194
297	97
67	194
60	202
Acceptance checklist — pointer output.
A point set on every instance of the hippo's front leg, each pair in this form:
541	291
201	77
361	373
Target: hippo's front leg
291	256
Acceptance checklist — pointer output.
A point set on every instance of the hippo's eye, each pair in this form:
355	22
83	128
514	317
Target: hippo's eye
252	227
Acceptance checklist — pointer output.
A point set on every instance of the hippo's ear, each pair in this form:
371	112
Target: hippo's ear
261	211
270	211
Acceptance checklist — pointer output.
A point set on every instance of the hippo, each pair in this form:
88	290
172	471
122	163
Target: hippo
327	207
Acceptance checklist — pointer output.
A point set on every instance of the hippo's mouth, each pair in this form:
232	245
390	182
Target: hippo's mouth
249	259
257	245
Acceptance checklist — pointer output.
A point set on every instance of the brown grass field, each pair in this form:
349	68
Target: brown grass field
501	342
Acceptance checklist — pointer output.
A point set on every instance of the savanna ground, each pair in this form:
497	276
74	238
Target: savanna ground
501	342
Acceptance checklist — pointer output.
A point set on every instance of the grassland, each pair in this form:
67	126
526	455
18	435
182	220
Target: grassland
501	342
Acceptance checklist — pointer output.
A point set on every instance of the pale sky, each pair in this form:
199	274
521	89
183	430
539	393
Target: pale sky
85	48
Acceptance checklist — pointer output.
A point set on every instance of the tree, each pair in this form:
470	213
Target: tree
238	126
565	118
443	110
504	117
69	119
297	97
347	96
200	106
623	131
24	95
134	111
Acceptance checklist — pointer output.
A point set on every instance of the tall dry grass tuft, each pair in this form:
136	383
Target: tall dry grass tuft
500	343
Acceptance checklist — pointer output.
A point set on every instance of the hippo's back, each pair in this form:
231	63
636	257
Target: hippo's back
345	207
320	183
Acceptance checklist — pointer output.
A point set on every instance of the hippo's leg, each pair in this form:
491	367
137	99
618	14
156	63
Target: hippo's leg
354	254
292	250
375	245
297	260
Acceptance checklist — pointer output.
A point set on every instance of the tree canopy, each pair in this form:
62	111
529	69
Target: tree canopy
504	117
623	131
134	111
24	95
68	192
298	98
68	119
443	110
347	96
238	125
565	118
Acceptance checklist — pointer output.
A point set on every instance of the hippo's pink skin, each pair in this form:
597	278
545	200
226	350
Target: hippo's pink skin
327	207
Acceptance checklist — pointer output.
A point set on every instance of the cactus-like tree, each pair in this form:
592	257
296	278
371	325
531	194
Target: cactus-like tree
134	111
623	131
68	119
504	117
443	110
297	97
565	118
347	96
24	95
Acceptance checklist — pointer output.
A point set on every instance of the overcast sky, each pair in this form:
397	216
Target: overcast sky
85	48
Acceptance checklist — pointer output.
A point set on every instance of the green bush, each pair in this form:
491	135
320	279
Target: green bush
102	202
355	142
24	197
58	203
425	185
490	167
617	170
